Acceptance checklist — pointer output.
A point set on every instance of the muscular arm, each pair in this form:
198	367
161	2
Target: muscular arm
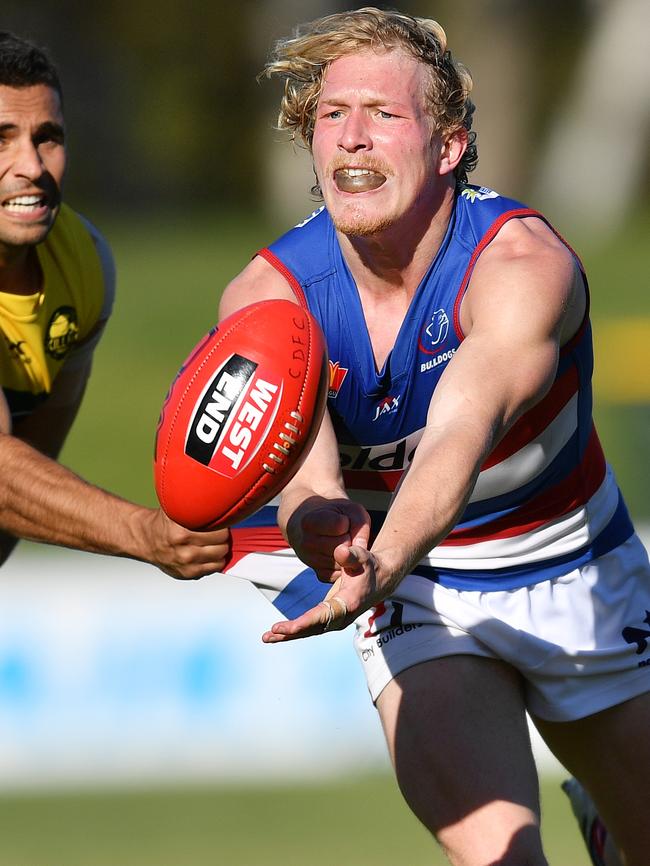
43	501
315	513
525	301
45	430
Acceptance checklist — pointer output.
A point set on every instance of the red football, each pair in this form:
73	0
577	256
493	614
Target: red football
241	415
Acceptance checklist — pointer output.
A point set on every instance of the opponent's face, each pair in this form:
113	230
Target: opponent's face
374	152
32	163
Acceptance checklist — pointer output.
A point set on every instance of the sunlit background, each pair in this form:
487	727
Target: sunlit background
111	674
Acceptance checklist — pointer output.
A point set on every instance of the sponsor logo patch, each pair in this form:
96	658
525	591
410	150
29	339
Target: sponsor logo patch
387	406
639	636
380	458
16	349
310	217
232	416
392	627
337	375
62	332
480	194
432	363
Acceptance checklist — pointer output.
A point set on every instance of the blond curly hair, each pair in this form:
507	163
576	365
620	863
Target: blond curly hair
301	60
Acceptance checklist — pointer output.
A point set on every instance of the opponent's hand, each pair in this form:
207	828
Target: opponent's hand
182	553
361	585
319	526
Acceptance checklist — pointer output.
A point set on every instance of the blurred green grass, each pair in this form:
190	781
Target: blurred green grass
171	272
362	822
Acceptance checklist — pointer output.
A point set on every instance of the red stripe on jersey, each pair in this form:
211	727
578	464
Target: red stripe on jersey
487	238
575	490
253	539
369	479
536	420
280	266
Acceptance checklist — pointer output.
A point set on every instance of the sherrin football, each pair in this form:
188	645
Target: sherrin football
241	415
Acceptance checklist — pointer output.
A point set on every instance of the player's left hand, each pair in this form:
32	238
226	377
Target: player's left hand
319	526
360	586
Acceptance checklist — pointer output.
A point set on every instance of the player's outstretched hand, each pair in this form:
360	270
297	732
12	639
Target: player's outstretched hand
182	553
319	526
359	587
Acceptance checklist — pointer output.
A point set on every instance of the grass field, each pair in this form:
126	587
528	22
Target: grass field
363	823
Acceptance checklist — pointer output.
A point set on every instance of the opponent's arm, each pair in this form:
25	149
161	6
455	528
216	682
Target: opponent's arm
43	501
524	301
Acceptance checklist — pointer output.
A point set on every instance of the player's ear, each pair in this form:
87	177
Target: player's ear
452	151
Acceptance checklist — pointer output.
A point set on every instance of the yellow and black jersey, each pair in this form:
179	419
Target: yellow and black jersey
40	332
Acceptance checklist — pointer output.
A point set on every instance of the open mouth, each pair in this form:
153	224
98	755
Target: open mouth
358	179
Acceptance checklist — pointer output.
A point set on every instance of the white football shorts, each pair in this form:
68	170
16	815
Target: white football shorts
581	641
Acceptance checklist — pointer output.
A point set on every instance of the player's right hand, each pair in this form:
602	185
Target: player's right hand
318	526
361	584
182	553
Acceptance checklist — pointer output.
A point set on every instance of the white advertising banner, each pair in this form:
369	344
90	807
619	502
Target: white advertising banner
111	672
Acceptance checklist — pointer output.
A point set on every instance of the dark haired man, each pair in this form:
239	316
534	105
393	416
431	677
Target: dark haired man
56	293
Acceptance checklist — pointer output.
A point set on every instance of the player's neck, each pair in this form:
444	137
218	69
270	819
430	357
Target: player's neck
20	272
396	259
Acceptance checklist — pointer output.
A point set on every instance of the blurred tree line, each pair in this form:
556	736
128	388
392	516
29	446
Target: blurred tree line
164	110
161	101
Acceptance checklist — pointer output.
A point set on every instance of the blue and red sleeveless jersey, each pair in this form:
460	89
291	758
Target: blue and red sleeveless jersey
545	500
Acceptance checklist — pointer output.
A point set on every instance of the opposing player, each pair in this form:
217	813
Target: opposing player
457	498
56	292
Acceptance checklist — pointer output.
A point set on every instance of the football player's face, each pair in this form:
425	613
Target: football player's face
374	151
32	163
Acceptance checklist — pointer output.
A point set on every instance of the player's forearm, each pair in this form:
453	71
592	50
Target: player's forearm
319	478
430	500
298	497
43	501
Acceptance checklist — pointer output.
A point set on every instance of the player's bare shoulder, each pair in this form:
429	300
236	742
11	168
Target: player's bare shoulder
259	281
528	268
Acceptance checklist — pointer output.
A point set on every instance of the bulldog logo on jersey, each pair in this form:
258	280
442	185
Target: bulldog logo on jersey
432	341
435	333
62	332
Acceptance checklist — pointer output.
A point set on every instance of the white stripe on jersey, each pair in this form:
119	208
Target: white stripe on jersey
531	460
564	535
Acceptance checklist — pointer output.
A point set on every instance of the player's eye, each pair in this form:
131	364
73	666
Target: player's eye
49	134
